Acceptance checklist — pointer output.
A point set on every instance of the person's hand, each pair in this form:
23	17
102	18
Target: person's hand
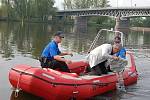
69	53
116	58
68	61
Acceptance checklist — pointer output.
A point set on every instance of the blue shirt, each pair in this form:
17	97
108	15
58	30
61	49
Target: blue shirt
51	50
121	53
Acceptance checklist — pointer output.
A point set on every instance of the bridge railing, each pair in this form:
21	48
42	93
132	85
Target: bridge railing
110	11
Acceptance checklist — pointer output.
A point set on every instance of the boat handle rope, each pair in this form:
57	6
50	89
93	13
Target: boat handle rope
56	83
17	90
18	83
75	85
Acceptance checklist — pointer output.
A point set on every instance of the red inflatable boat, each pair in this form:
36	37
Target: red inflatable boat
55	85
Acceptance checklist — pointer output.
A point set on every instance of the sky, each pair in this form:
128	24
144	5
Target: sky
113	3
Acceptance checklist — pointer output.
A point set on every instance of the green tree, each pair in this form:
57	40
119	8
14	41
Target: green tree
137	21
100	3
27	9
83	4
147	22
68	4
80	4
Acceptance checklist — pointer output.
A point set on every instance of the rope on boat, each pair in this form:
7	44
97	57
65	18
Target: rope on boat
100	84
120	84
18	83
57	83
17	89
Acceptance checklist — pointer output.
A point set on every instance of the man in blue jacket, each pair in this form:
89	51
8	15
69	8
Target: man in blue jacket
122	52
52	57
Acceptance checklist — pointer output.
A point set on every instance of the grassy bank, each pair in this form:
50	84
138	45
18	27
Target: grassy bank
145	29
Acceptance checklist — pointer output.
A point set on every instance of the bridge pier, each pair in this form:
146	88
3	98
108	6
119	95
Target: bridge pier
122	24
81	20
81	23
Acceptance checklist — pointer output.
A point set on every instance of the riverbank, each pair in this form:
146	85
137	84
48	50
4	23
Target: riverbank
31	20
141	29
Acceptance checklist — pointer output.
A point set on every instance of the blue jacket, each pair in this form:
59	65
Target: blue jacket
51	50
121	53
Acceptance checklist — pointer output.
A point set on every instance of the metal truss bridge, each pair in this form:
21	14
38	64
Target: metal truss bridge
109	11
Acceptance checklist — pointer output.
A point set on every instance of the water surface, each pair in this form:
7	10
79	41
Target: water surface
23	43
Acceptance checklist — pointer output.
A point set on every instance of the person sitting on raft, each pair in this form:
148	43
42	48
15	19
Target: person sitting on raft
52	57
99	56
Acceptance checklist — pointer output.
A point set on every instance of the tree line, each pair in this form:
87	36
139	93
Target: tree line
90	4
40	10
81	4
28	9
140	22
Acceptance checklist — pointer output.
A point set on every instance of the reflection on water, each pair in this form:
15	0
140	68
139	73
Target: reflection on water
30	38
23	43
24	40
23	96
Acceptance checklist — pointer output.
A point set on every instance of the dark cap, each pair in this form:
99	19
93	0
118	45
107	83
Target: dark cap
59	33
117	39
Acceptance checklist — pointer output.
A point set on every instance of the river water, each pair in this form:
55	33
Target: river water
23	43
